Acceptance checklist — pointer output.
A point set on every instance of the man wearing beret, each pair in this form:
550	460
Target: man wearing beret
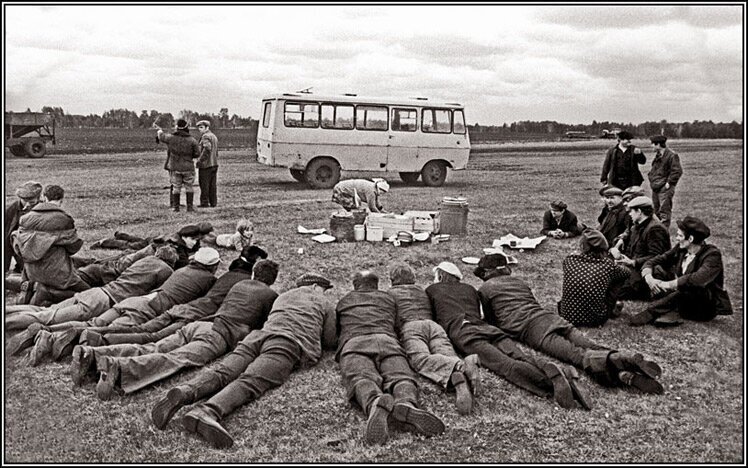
207	165
28	197
691	279
182	149
663	176
560	223
300	323
429	351
132	367
183	285
509	304
613	218
647	238
375	370
590	280
621	166
457	306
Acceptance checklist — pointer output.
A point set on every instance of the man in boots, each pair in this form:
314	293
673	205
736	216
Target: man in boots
182	149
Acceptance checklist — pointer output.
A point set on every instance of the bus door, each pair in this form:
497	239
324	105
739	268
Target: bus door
370	148
402	151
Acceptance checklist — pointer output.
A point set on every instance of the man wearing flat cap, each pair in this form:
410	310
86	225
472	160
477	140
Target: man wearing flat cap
591	278
296	329
207	165
560	223
509	304
613	218
665	173
688	279
621	166
360	193
28	197
182	149
647	238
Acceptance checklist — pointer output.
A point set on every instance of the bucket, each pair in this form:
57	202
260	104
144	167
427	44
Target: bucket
341	227
359	232
359	216
453	215
374	233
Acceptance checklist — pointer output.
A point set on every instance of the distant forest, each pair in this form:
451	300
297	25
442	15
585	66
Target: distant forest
124	118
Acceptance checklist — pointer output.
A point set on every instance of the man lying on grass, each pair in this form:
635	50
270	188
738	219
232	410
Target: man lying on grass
299	323
509	304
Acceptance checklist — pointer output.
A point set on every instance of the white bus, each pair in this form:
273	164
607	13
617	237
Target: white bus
318	136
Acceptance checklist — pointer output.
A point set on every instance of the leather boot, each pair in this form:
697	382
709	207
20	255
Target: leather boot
595	363
190	199
175	202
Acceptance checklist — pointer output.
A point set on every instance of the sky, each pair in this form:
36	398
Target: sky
571	64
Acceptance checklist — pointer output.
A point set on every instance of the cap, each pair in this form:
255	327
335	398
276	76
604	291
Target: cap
633	192
695	227
493	261
205	227
611	191
558	205
207	256
190	231
450	268
181	123
638	202
658	139
30	189
594	239
252	252
203	123
308	279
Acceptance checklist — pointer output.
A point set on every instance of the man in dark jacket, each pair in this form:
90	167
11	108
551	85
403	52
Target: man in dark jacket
663	177
46	238
621	166
647	238
690	276
613	217
207	165
182	149
28	197
458	310
560	223
375	371
509	304
132	367
300	323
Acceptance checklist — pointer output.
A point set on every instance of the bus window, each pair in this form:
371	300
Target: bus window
371	118
338	116
404	120
459	122
436	121
266	114
301	114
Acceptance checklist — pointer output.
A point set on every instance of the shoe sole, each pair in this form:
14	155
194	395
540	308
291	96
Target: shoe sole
211	434
472	371
562	392
576	389
37	354
463	399
64	344
377	431
21	342
650	368
647	385
166	408
80	365
422	421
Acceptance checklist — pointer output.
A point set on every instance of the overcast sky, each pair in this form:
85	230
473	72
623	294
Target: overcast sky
572	64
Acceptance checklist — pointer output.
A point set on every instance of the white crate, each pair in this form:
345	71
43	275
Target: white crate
424	221
390	223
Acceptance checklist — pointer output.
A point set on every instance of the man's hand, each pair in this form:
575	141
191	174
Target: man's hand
615	252
625	261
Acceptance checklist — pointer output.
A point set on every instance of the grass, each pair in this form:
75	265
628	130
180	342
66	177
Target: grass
700	418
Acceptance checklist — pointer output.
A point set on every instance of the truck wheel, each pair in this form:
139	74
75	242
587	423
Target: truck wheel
322	173
18	150
410	177
35	148
434	173
298	174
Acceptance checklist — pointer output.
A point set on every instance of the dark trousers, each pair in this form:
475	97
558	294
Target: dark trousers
374	364
662	202
10	253
565	344
260	362
696	304
45	295
208	189
141	337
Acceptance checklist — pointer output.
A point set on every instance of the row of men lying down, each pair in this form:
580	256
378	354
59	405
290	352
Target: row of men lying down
192	319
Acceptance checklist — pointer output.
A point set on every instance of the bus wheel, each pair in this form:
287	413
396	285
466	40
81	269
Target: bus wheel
298	174
434	173
322	173
18	150
410	177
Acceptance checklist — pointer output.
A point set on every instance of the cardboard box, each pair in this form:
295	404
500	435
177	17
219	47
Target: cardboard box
390	223
424	221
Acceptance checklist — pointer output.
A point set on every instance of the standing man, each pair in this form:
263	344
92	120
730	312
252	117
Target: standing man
621	166
663	176
182	149
28	197
207	165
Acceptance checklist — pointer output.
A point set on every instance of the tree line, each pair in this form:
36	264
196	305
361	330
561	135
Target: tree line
125	118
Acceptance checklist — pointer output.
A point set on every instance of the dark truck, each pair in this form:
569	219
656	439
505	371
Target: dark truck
27	133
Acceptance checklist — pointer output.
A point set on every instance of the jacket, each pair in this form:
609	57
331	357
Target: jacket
568	223
613	222
665	169
646	240
182	149
412	303
208	151
245	308
704	272
365	190
45	239
183	285
365	312
622	168
138	279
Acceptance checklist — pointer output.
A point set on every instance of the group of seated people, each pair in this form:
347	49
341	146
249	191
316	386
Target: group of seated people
135	320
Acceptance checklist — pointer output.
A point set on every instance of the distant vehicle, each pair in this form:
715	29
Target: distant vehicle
610	133
27	133
318	136
575	135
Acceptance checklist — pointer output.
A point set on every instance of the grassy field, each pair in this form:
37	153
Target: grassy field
699	419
